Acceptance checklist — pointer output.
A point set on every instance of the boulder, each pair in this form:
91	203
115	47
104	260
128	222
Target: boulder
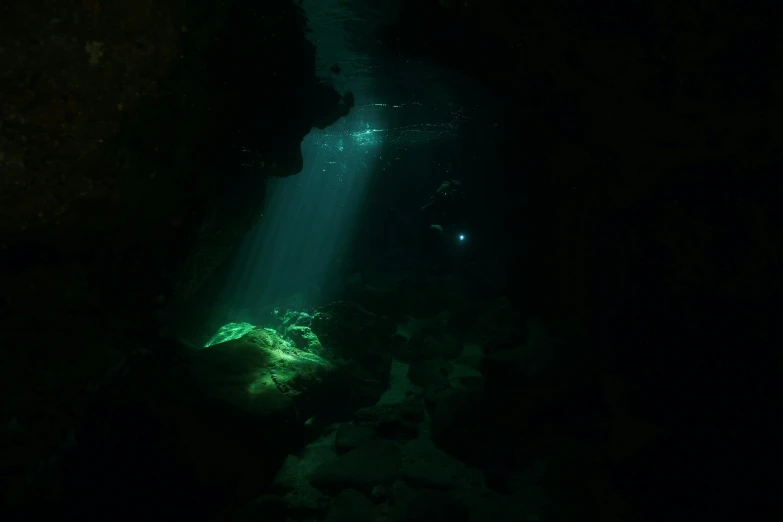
432	506
352	506
433	341
427	466
295	318
351	332
304	339
458	424
293	480
350	436
248	373
269	508
399	420
379	300
306	501
377	462
430	373
261	367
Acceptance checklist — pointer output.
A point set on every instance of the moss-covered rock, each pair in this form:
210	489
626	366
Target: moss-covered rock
304	339
295	317
262	364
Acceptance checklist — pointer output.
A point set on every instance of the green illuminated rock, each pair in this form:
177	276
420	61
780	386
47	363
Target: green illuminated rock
259	371
228	332
304	339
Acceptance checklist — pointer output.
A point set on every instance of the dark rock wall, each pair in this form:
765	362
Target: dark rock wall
628	115
640	140
135	140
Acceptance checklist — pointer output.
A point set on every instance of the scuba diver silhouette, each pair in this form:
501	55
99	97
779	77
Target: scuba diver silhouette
445	208
443	215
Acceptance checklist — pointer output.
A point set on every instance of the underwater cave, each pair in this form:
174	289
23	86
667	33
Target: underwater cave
388	260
